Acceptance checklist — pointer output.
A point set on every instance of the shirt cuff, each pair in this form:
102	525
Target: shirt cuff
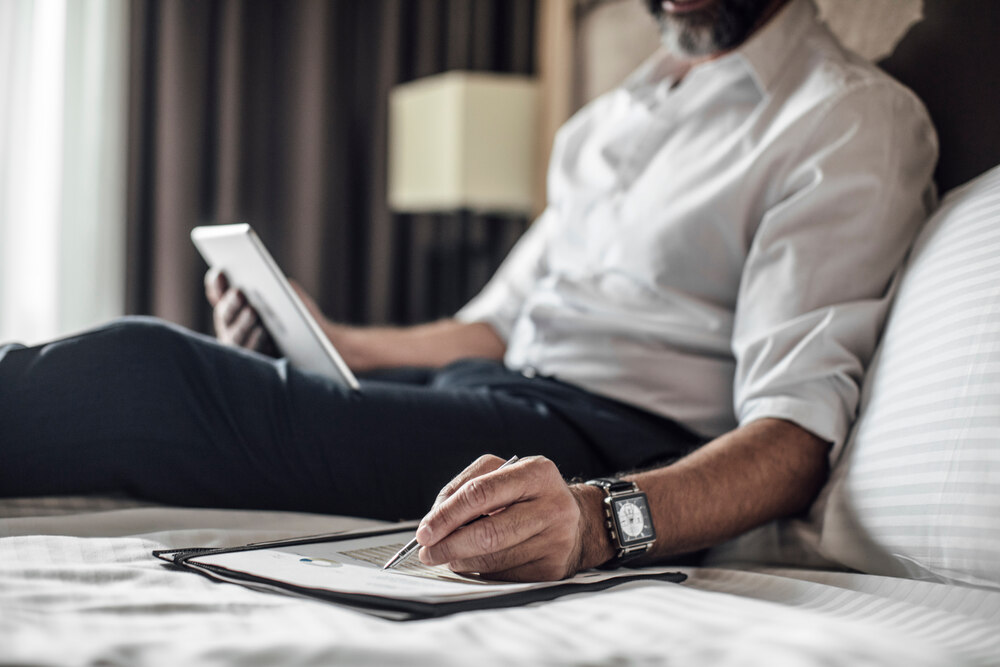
829	424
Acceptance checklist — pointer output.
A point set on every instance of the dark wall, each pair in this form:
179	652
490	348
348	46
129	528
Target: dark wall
952	61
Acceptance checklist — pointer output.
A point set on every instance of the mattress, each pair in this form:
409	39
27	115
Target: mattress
78	586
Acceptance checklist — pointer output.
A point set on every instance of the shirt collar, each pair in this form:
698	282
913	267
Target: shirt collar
765	53
661	66
767	50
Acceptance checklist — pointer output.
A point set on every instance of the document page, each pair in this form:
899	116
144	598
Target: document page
355	566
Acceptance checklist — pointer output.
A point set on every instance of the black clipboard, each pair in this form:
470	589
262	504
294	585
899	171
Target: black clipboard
387	606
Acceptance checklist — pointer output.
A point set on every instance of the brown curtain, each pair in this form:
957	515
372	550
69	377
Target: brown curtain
273	112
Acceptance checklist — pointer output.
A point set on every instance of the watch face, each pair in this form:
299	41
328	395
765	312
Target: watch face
632	516
630	519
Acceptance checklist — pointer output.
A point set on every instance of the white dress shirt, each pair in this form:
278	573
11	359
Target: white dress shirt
720	241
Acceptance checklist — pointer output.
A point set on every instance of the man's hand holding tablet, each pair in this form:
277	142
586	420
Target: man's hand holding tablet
256	307
236	322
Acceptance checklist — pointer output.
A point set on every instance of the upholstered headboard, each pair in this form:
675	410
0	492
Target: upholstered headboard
951	60
948	56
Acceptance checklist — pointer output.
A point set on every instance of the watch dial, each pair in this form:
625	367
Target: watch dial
630	519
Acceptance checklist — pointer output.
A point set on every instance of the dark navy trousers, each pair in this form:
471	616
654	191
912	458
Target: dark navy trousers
148	409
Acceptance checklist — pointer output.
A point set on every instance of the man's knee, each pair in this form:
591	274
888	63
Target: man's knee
146	340
140	331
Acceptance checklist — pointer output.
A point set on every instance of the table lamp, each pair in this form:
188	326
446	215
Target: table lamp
463	142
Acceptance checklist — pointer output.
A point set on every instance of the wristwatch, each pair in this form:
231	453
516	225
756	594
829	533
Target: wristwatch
627	518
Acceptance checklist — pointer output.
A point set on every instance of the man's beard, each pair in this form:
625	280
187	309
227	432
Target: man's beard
720	27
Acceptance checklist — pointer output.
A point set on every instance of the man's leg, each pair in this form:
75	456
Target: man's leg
152	410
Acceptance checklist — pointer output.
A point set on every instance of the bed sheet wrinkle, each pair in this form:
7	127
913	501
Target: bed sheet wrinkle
968	623
108	601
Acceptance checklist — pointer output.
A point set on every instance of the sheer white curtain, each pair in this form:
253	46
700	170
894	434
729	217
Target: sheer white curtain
62	165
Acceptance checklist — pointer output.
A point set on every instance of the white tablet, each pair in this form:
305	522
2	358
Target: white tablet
241	255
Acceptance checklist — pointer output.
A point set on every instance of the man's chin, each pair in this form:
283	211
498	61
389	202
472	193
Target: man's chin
700	28
686	41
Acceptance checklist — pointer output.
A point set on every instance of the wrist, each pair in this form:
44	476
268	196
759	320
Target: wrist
347	340
595	547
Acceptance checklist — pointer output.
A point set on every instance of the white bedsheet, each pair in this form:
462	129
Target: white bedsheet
82	588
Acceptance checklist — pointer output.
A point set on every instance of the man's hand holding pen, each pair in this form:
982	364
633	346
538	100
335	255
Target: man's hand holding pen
537	527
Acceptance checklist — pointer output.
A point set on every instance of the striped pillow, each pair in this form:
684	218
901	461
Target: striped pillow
917	492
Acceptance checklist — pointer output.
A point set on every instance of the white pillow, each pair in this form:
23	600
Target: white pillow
917	492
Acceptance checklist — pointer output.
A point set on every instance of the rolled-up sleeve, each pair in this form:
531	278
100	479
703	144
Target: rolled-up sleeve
818	275
499	302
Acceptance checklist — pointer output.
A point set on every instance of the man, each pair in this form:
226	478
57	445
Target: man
714	265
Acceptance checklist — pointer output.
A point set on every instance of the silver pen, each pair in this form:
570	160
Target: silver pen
412	545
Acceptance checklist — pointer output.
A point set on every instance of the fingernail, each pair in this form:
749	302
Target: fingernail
424	533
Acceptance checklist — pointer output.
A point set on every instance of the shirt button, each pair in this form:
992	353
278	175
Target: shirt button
529	371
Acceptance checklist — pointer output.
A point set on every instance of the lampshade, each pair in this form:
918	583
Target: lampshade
463	140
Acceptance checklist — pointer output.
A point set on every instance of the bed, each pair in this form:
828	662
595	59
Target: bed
897	563
78	586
